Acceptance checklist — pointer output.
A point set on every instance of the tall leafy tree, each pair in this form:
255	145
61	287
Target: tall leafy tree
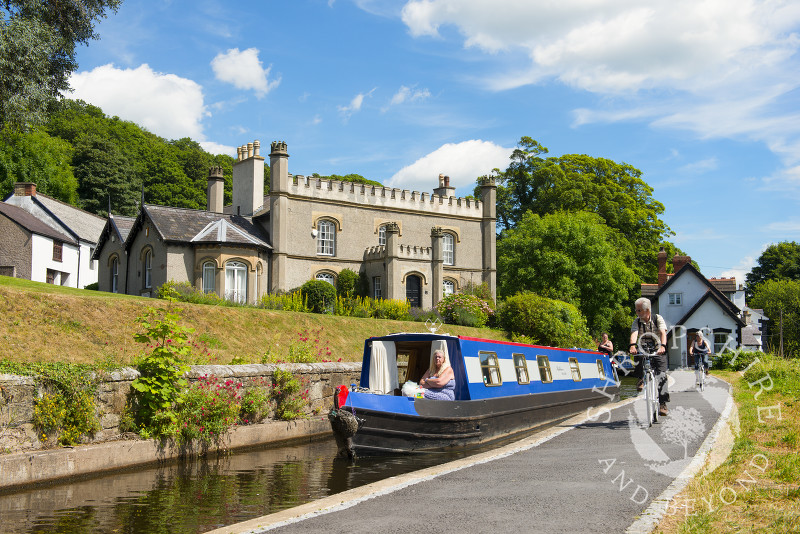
37	157
614	191
105	178
574	257
779	261
780	300
38	39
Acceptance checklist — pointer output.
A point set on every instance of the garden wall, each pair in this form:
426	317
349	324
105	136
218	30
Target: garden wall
18	393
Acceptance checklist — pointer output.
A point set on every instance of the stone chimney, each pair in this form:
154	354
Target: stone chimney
216	190
24	189
248	179
678	262
444	189
662	267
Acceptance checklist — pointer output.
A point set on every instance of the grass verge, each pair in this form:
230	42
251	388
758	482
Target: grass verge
757	489
48	323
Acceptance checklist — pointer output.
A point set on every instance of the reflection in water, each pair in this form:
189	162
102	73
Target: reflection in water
205	494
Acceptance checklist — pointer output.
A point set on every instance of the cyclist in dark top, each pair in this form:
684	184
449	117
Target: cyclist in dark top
649	336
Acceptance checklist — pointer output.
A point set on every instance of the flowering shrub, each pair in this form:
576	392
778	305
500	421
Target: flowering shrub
255	403
207	409
307	347
292	301
287	392
466	310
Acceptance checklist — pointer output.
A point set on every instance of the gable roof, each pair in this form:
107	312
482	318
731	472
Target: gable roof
118	225
32	223
86	226
714	295
690	269
185	226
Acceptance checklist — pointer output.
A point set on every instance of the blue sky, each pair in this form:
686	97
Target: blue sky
701	95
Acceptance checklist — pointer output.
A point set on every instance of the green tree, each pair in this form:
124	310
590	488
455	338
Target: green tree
573	257
104	177
778	262
36	157
574	182
38	39
780	300
544	321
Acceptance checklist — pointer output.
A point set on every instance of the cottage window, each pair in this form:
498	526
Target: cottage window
115	275
721	341
236	282
544	369
377	292
675	299
382	235
58	250
575	369
448	288
490	368
326	277
448	249
326	238
209	277
147	268
521	366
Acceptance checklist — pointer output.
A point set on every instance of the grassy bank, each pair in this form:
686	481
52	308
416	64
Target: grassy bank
43	322
757	489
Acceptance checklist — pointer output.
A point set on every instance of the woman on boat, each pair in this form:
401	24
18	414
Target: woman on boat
439	380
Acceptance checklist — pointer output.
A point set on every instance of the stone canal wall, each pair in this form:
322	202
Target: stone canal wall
18	395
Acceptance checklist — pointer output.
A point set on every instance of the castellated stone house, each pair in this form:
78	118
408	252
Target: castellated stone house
410	245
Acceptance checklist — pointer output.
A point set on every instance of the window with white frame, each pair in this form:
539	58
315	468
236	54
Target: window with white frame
448	288
326	238
236	281
115	275
382	235
209	277
675	299
721	340
377	291
448	249
147	269
326	277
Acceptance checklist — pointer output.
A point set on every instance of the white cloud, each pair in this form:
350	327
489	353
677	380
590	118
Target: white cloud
407	94
462	162
244	70
165	104
740	271
216	148
355	104
719	68
698	167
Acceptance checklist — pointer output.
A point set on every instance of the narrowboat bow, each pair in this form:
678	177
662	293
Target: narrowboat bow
501	389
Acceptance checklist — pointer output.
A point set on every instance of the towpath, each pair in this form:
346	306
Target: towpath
603	471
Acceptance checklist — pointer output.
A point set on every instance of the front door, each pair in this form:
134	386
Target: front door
413	285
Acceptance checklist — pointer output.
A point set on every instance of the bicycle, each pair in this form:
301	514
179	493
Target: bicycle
700	372
650	389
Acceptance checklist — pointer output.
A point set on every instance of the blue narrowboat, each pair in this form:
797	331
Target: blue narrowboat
501	389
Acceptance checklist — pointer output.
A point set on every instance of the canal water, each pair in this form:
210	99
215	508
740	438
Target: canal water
204	494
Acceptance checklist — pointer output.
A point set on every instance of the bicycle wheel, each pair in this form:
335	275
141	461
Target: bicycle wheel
702	372
654	396
648	397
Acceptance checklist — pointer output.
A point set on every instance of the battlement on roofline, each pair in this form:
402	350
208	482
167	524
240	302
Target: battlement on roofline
384	197
411	252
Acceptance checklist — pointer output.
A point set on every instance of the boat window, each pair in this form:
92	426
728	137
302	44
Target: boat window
490	368
521	366
601	372
576	371
544	369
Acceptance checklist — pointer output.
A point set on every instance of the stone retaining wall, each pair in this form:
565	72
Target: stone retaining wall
18	394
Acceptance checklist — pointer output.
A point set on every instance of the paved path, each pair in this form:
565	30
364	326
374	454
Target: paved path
604	473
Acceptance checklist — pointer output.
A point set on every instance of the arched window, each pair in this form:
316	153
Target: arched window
326	238
236	281
448	288
448	249
326	277
382	236
147	269
115	275
209	277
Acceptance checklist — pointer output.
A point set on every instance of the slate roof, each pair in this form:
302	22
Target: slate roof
180	225
83	224
33	224
749	339
119	225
